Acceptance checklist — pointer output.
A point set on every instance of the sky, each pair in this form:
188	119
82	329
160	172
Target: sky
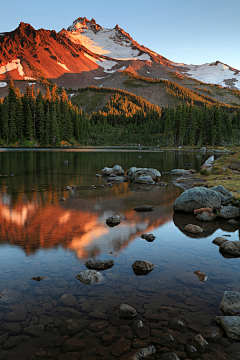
184	31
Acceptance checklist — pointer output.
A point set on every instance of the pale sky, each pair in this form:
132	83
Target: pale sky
184	31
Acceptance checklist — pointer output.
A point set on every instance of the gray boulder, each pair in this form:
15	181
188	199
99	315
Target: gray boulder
118	170
91	277
144	179
99	264
133	173
219	240
126	311
231	248
180	172
107	171
113	220
226	196
230	324
195	198
194	229
229	212
206	216
230	304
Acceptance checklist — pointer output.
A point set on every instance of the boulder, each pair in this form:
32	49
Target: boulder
226	196
133	173
230	304
141	267
91	277
230	324
231	248
126	311
116	179
113	220
106	171
194	229
208	163
145	352
212	333
118	170
229	212
196	198
219	240
144	208
144	179
148	237
180	173
206	216
99	264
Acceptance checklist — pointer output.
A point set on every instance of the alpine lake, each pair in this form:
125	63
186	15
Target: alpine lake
47	313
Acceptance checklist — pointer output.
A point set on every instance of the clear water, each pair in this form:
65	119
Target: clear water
41	236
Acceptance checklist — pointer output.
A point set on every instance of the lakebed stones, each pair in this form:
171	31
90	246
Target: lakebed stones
150	350
230	304
195	198
113	220
148	237
212	333
143	208
126	311
194	229
133	173
231	248
141	267
99	264
189	279
91	277
230	324
10	296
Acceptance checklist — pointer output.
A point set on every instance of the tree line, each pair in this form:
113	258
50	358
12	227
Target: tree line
125	119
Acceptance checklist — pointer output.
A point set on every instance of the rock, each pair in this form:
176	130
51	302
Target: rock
194	229
141	267
65	162
13	328
12	342
229	212
230	304
144	352
10	296
201	276
230	248
99	264
230	324
15	315
107	171
73	326
148	237
178	325
118	170
97	315
206	216
219	240
192	351
91	277
122	346
97	175
170	356
144	208
199	211
34	330
73	345
133	173
189	279
68	300
38	278
116	179
62	199
200	343
144	179
113	220
212	333
180	173
226	196
203	148
196	198
125	311
68	187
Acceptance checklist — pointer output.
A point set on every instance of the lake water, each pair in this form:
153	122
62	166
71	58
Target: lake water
40	236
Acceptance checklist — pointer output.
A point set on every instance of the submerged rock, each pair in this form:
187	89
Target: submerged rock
126	311
230	324
143	208
91	277
148	237
212	333
230	304
113	220
10	296
201	276
206	216
99	264
196	198
38	278
144	352
144	179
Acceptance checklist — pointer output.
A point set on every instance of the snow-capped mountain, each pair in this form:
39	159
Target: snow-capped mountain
88	54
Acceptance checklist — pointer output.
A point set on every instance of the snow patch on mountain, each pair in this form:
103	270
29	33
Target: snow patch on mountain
214	73
3	84
14	64
63	66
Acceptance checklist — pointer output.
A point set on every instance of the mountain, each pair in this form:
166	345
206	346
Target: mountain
87	54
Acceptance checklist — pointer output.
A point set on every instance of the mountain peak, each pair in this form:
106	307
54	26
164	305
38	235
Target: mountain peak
83	23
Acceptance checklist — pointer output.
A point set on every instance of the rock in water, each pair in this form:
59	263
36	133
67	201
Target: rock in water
113	220
226	196
230	324
141	267
10	296
144	352
143	208
148	237
195	198
133	173
91	277
99	264
180	172
194	229
231	248
126	311
201	276
219	240
230	304
229	212
143	179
